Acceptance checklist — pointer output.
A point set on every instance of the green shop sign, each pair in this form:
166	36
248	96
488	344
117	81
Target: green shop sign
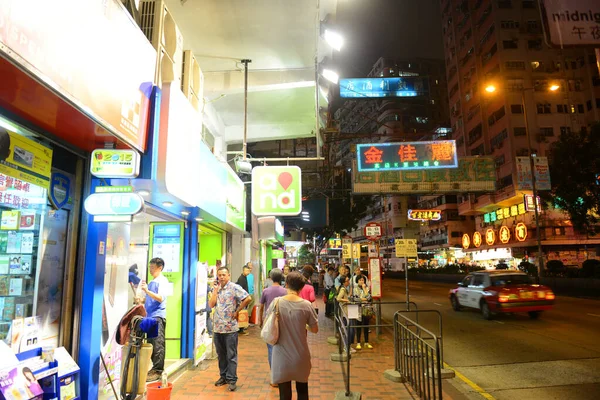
235	201
276	190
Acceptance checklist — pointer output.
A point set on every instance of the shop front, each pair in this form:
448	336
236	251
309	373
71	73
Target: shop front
270	235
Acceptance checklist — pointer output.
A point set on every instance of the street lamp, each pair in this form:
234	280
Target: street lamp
553	87
331	75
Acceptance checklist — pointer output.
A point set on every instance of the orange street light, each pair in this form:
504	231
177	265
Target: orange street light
490	88
554	87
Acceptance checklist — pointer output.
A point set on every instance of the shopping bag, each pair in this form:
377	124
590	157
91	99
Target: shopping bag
270	329
243	319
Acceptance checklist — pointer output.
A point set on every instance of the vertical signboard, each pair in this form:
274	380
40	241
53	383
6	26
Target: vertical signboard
166	242
356	251
346	249
375	275
524	181
542	173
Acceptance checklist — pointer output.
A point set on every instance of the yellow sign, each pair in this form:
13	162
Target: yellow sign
424	215
346	249
466	241
406	247
24	159
335	243
477	239
356	250
490	236
521	232
504	234
112	163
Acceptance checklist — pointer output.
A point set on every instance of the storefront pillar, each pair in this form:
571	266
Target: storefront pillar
91	305
189	290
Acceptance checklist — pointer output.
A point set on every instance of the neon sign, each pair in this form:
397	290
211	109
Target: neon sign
504	234
490	236
424	215
406	156
521	232
466	241
477	239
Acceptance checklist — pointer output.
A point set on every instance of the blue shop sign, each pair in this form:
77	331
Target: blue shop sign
60	188
404	86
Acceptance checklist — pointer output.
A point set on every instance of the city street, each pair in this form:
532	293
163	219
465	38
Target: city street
511	356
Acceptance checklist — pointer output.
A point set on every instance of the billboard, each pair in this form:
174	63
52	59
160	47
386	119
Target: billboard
406	155
402	86
473	174
571	23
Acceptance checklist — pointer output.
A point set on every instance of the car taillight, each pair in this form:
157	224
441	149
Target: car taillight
503	298
541	294
550	295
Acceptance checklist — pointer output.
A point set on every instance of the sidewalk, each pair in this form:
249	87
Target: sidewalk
366	371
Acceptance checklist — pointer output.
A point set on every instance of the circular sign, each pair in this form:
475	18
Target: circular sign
466	241
504	234
477	239
521	232
490	236
373	231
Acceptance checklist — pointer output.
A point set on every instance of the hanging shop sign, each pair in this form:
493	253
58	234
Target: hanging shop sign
107	207
466	241
572	23
372	231
405	86
504	234
277	254
477	239
490	237
521	232
235	201
406	156
111	163
347	249
529	206
504	212
406	247
356	251
276	190
116	93
60	189
271	230
473	174
424	215
24	159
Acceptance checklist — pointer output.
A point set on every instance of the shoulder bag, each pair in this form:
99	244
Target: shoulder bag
270	330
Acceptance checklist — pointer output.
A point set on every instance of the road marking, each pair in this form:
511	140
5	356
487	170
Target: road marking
438	304
594	315
472	384
499	322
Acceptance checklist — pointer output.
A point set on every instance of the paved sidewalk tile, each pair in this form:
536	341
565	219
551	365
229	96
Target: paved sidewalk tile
366	377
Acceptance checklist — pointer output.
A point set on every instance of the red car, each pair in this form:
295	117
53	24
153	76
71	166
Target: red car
501	291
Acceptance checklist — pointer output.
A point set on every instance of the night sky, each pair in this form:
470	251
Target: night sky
388	28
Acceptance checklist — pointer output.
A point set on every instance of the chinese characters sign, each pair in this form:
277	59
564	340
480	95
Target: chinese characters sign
113	204
425	215
466	241
476	239
521	232
373	231
335	244
406	156
474	174
505	212
115	163
504	234
410	86
490	236
406	247
571	23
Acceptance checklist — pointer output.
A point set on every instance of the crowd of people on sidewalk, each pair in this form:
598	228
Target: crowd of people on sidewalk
292	296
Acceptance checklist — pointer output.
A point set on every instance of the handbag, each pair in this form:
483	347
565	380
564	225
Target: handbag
270	330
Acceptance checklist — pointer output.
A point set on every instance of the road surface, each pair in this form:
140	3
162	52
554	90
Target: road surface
511	356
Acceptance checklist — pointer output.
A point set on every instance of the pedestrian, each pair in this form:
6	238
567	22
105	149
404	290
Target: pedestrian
329	285
344	271
308	291
364	294
357	273
291	354
243	281
286	272
343	298
228	299
156	307
268	295
314	280
250	290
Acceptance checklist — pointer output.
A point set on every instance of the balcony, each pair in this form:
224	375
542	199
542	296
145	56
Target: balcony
486	203
468	208
434	240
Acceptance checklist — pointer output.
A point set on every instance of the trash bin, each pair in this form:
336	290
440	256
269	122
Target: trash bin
154	391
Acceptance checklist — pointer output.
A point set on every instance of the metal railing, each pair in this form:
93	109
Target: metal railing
418	354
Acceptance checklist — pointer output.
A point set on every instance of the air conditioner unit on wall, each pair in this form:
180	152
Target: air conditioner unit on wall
158	25
192	84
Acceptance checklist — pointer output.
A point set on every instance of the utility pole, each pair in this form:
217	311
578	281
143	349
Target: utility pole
245	143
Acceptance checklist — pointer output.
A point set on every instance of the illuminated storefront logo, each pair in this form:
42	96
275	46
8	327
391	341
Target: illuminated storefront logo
335	244
504	234
109	163
406	156
490	237
466	241
405	86
477	239
529	203
521	232
424	215
276	190
503	213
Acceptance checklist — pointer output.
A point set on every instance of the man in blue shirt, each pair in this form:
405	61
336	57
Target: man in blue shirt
156	307
250	279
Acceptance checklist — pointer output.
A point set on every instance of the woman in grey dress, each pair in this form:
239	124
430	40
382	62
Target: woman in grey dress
291	355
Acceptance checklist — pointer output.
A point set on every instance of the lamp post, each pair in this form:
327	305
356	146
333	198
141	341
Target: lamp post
551	88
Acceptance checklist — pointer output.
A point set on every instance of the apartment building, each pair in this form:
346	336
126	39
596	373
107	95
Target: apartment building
501	43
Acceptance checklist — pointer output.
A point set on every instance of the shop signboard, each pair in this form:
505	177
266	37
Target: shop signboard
115	93
424	215
521	232
108	207
356	251
372	231
235	201
476	239
276	190
375	275
490	236
335	244
571	23
474	174
504	234
406	247
505	212
60	189
112	163
404	86
405	156
24	159
540	164
346	249
466	241
271	230
277	254
528	203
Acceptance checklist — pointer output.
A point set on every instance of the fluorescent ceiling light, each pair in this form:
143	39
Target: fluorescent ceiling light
331	75
167	203
185	213
143	192
334	39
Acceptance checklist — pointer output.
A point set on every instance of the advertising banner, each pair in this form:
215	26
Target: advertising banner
405	86
109	163
24	159
571	23
542	173
235	201
474	174
276	190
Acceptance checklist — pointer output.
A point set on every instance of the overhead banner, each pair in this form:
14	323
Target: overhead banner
524	180
406	155
571	23
474	174
24	159
405	86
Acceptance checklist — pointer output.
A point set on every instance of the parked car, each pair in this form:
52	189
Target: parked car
501	291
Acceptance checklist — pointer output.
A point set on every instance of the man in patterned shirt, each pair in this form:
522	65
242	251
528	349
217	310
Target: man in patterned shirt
228	299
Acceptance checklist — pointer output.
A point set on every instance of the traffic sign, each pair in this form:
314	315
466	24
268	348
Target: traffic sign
373	231
406	247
